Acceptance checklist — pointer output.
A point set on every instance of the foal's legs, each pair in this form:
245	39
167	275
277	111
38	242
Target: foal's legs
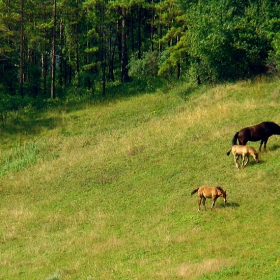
243	160
203	202
199	202
213	203
244	164
236	157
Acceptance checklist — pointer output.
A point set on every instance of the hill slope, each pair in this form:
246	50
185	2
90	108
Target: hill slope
104	192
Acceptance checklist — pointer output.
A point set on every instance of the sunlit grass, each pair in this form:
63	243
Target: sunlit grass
107	192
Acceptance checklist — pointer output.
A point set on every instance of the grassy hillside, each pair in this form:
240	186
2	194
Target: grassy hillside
103	192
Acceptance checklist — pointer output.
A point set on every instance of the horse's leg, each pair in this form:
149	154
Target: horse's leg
242	163
199	202
203	202
265	141
235	160
247	160
261	145
213	203
243	160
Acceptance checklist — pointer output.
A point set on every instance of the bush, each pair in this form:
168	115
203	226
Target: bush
145	67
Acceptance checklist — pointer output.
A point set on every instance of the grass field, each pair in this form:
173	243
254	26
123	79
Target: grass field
103	191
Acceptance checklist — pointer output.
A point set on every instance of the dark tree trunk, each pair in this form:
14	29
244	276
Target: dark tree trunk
103	60
21	75
152	27
132	29
60	61
53	51
44	60
119	39
178	63
44	72
139	41
77	40
124	60
160	32
112	47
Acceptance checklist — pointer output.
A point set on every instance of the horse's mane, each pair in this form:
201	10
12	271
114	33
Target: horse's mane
220	188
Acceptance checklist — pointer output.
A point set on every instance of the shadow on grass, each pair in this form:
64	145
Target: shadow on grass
26	125
30	125
273	148
253	163
232	204
118	91
32	120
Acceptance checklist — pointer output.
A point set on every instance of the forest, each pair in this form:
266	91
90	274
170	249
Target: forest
48	47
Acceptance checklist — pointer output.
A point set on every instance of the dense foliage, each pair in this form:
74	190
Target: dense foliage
49	45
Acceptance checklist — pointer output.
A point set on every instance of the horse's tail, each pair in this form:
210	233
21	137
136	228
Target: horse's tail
228	152
234	139
194	191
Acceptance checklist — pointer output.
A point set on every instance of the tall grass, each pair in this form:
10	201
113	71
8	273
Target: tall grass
106	193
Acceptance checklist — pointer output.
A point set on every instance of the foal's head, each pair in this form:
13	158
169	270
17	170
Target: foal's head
223	194
256	157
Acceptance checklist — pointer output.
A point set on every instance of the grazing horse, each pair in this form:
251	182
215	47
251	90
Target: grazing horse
209	192
255	133
243	151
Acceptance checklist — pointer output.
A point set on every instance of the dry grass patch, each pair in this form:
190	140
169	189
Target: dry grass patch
191	271
16	218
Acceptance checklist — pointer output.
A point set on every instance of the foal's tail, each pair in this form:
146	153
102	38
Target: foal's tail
234	139
228	152
194	191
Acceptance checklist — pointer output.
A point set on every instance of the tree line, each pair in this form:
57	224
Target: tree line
49	45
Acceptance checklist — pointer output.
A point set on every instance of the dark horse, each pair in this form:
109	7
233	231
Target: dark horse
255	133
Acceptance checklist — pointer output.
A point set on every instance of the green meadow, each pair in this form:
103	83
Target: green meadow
102	190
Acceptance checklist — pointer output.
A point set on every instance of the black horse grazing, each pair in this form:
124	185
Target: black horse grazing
255	133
